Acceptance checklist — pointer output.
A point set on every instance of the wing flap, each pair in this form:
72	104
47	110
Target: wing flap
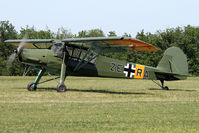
134	44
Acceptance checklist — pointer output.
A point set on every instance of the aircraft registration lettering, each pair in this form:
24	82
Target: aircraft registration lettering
116	67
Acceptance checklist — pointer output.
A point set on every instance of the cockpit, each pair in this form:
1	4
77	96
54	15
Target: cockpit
72	52
56	46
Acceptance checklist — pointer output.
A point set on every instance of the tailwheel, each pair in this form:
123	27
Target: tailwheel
165	88
61	88
32	87
162	85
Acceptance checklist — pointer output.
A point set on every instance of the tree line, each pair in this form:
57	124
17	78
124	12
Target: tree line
186	38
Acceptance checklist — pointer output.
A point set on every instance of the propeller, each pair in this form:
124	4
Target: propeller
17	51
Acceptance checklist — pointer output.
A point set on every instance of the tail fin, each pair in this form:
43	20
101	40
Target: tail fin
174	61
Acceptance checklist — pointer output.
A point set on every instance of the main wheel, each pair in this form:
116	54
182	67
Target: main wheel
61	88
31	87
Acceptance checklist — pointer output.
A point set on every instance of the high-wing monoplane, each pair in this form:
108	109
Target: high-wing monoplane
84	57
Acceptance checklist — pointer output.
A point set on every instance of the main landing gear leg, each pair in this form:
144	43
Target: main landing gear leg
33	86
164	87
61	86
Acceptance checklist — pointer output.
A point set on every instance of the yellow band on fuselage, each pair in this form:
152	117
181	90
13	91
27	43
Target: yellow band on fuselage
139	72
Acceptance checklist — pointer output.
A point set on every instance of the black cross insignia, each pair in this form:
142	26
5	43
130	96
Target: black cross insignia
129	70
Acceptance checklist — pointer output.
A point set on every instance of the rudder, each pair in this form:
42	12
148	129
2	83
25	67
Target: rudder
174	61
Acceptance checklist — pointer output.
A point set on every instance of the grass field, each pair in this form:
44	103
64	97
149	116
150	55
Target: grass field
99	105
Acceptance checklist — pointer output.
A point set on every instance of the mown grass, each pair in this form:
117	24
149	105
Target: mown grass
99	105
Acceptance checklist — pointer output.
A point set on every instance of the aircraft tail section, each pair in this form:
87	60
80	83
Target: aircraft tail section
174	62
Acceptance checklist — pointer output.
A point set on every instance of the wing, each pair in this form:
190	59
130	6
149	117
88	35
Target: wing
33	43
116	44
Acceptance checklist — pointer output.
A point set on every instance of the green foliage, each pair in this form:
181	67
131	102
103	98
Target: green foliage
7	31
112	33
127	35
91	33
34	34
187	38
63	33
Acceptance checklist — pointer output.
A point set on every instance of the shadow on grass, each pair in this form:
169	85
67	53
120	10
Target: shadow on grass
97	91
172	89
109	92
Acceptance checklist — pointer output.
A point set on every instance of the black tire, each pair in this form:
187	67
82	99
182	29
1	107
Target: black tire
166	88
61	88
31	87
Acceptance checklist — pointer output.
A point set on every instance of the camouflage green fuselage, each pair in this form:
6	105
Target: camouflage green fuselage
101	66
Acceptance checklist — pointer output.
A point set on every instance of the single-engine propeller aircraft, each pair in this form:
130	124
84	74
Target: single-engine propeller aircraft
84	57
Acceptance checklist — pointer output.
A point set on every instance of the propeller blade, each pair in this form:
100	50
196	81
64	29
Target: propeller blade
23	43
10	60
19	49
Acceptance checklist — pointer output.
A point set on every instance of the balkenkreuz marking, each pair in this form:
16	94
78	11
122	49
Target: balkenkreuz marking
129	70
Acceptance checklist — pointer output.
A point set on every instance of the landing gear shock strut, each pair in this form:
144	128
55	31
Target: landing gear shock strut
33	86
162	85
